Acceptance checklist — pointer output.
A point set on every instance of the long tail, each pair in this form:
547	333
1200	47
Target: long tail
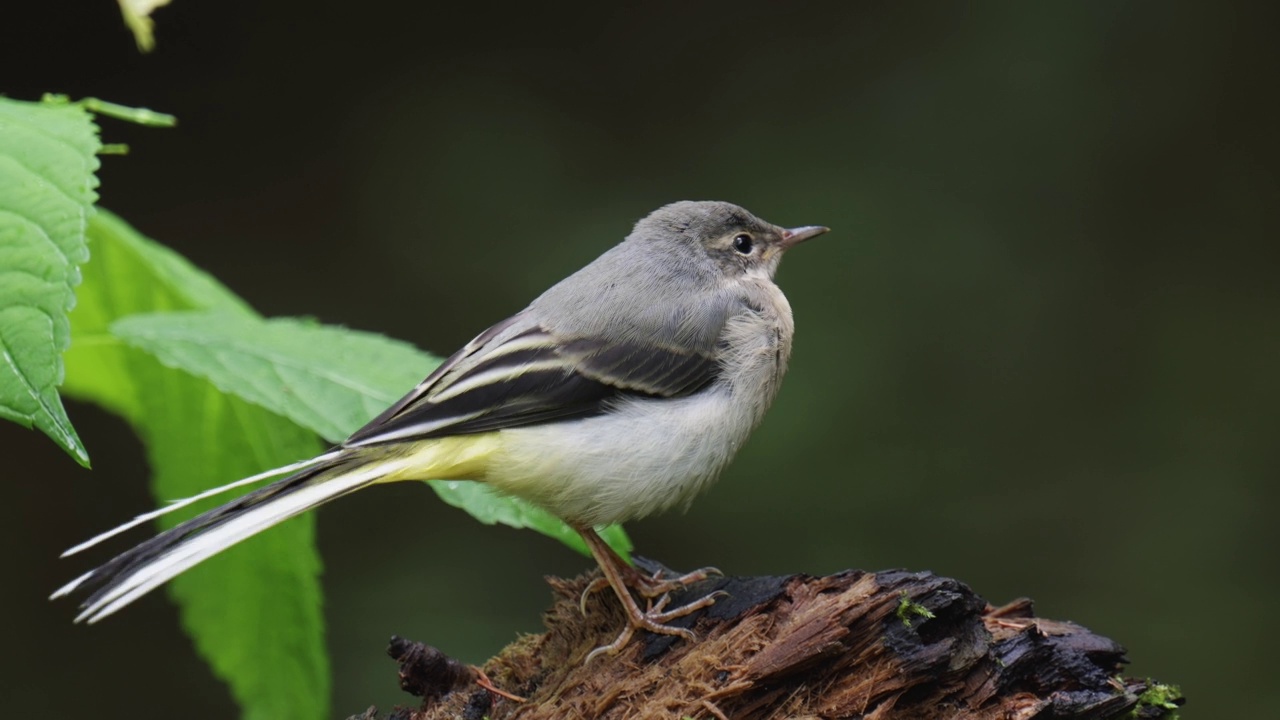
135	572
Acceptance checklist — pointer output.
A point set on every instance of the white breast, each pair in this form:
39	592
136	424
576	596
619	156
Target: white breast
647	455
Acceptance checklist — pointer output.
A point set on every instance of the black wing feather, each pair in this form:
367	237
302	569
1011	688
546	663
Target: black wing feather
568	378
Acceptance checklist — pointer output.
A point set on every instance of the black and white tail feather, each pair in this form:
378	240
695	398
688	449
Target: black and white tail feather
137	571
359	462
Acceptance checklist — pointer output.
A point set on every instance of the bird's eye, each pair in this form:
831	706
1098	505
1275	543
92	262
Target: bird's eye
742	243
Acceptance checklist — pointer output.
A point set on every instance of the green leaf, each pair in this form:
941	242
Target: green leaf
254	611
48	157
331	380
129	274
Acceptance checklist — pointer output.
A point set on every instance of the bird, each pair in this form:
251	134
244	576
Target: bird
622	391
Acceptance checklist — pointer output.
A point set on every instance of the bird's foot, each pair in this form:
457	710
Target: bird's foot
648	586
623	579
654	620
652	586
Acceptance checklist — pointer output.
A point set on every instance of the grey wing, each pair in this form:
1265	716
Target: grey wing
519	373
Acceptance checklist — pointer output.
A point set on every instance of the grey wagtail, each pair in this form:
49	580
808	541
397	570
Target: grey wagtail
622	391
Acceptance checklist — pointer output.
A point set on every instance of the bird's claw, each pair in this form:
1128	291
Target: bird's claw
649	586
654	620
704	602
624	579
594	586
485	683
655	585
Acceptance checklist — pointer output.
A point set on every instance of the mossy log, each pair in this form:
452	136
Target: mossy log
883	646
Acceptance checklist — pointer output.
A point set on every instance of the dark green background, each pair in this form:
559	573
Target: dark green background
1037	352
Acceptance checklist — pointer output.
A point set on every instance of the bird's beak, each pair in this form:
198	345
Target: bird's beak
795	236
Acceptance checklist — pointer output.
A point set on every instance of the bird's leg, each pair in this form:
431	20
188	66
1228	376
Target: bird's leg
648	586
655	585
616	576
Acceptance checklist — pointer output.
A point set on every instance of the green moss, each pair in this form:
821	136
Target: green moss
1164	697
906	609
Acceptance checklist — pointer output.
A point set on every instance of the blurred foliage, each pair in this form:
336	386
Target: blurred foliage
1037	352
137	15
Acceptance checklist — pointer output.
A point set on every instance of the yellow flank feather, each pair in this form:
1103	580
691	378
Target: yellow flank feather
457	457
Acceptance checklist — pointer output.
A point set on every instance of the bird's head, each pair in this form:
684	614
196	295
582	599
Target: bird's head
733	239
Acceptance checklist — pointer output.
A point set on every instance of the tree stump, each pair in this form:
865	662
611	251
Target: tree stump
883	646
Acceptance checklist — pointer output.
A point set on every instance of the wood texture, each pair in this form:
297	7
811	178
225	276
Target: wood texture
880	646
